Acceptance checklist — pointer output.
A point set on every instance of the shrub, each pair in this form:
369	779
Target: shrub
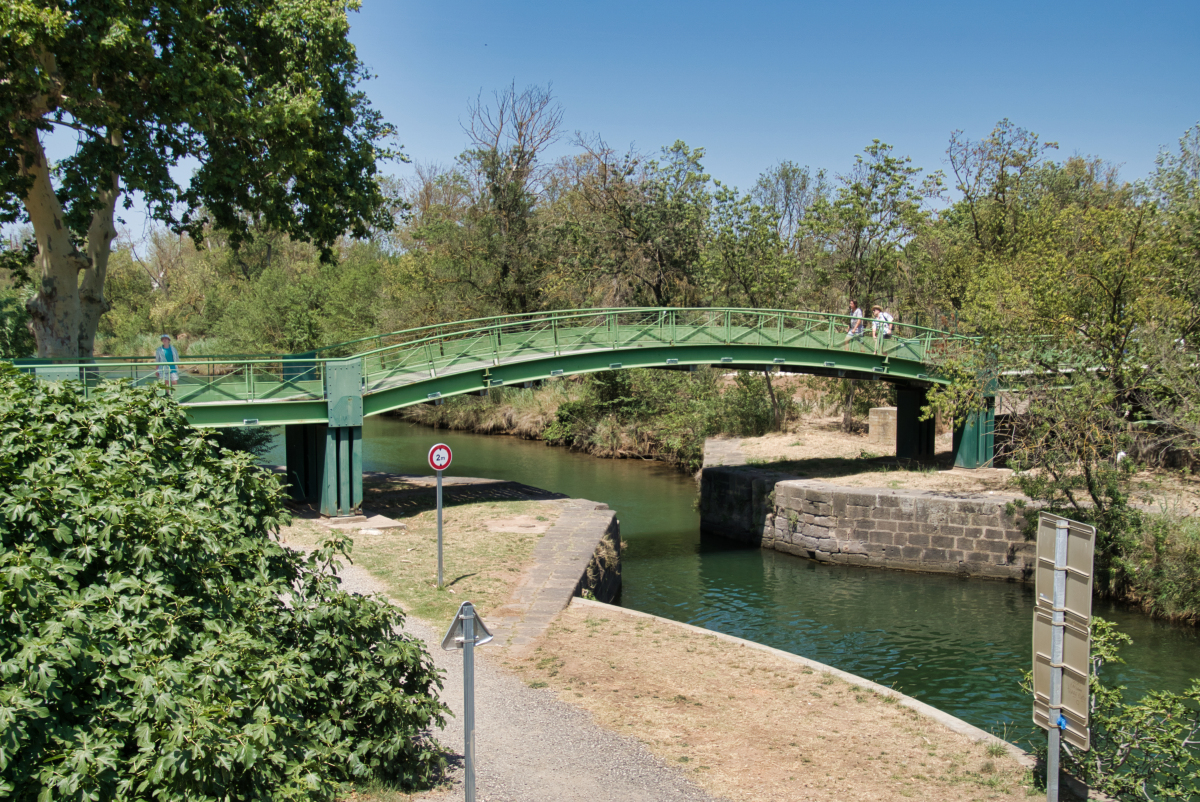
156	640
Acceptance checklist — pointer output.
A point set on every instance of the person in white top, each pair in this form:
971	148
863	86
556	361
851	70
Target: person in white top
856	322
882	327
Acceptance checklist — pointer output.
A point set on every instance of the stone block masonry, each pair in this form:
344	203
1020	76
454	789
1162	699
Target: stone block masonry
903	529
580	554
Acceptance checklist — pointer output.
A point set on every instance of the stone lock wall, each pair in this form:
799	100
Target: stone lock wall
904	529
602	577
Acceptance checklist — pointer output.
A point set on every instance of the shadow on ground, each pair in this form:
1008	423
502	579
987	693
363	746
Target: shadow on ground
833	467
410	495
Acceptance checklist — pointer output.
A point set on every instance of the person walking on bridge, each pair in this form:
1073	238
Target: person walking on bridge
856	322
167	358
882	327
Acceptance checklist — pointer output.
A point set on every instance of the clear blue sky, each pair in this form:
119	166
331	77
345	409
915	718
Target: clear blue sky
757	82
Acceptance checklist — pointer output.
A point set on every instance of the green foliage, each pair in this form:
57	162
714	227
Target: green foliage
664	414
254	440
1149	749
15	339
157	642
258	93
1160	564
18	260
865	226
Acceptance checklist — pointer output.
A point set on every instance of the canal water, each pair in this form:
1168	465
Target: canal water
959	645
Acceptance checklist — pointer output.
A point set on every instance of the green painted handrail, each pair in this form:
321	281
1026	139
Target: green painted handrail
429	352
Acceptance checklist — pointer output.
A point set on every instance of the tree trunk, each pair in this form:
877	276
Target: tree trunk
55	311
848	412
775	411
101	234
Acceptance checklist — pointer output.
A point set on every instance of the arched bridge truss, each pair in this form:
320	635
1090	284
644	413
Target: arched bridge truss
321	397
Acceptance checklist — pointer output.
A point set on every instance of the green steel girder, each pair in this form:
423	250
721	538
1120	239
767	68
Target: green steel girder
732	356
739	356
278	413
256	413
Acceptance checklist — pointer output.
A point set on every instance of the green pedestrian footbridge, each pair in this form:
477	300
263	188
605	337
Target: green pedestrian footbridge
321	397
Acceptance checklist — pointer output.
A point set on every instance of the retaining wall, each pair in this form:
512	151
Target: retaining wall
903	529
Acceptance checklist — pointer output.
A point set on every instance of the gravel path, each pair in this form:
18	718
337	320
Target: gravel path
530	747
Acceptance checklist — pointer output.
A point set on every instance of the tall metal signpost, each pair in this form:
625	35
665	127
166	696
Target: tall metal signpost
1062	635
466	632
440	457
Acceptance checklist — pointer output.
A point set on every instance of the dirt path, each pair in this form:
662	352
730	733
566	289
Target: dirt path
531	747
758	725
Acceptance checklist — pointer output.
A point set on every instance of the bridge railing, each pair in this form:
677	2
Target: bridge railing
438	350
429	351
200	380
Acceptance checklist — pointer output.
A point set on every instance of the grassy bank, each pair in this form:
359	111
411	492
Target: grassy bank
1154	562
642	414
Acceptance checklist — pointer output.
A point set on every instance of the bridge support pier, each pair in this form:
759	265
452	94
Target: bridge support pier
915	438
324	465
975	438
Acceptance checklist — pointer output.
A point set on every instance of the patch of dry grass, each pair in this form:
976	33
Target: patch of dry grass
478	564
753	726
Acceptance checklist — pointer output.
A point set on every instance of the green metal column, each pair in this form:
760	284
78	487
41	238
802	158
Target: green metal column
914	437
974	438
341	483
341	488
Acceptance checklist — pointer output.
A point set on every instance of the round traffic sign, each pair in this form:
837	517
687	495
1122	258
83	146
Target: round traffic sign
440	456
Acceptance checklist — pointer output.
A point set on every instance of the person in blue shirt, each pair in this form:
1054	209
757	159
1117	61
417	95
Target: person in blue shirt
167	358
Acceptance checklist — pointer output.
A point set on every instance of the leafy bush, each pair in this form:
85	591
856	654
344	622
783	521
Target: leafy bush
157	642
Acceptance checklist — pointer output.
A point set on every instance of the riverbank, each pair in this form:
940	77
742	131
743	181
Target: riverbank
664	687
625	414
752	723
517	552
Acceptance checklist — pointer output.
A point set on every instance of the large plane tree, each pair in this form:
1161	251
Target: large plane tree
260	99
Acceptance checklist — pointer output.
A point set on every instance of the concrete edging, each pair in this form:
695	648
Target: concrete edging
945	719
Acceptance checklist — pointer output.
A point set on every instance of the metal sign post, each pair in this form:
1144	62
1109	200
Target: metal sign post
466	632
1062	637
440	457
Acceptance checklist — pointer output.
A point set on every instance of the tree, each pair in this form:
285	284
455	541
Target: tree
876	211
746	261
991	175
641	225
790	192
506	262
263	94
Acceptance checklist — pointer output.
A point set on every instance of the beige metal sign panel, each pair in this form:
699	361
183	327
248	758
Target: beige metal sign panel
1076	647
1081	540
1079	737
